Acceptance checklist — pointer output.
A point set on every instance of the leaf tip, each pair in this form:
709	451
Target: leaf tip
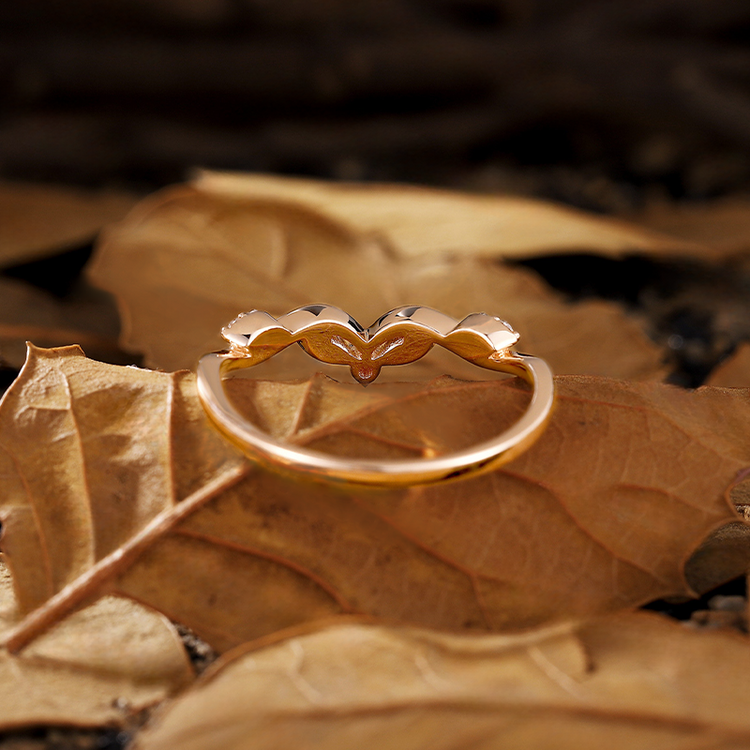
39	352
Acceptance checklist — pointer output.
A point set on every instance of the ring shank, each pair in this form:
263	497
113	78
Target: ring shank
382	473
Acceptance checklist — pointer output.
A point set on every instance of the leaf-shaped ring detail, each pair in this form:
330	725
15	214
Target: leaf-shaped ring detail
400	336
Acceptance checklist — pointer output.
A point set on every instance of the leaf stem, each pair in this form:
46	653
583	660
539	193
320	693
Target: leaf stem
89	586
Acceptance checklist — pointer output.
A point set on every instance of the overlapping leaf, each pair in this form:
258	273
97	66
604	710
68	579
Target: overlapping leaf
87	458
188	260
419	221
115	482
39	220
100	666
627	683
720	227
30	314
735	371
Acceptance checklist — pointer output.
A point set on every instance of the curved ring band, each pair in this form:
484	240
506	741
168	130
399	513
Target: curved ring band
398	337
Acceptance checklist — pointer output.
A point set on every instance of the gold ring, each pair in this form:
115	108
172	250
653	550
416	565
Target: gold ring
399	337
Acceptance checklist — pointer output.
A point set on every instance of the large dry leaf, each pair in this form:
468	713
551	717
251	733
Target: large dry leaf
188	260
88	457
625	683
115	482
420	221
98	667
589	338
30	314
39	220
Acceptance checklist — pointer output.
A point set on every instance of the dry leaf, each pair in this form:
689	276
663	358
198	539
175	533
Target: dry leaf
184	264
419	221
115	481
98	667
87	459
40	220
625	683
591	337
29	314
724	555
187	261
735	371
721	227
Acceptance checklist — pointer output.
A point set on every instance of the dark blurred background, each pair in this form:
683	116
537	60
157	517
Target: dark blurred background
598	103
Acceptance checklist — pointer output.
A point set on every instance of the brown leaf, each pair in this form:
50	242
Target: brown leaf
189	260
735	371
98	667
40	220
184	264
418	221
721	228
29	314
724	555
626	683
590	337
117	483
87	459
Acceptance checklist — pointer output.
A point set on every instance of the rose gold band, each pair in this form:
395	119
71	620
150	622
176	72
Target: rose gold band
399	337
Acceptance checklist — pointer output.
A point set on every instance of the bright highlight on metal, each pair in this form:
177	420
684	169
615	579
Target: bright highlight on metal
399	337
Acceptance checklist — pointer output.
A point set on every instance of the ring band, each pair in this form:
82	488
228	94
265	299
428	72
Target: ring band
400	336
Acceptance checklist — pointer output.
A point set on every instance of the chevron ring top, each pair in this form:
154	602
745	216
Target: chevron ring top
399	337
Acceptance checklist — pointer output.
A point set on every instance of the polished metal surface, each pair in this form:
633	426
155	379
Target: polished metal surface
399	337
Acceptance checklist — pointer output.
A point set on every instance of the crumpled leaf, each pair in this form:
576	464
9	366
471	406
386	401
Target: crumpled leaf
30	314
419	221
625	683
116	483
98	667
735	371
40	220
188	260
87	459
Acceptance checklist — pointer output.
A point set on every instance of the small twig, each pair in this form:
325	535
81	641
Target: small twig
91	584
